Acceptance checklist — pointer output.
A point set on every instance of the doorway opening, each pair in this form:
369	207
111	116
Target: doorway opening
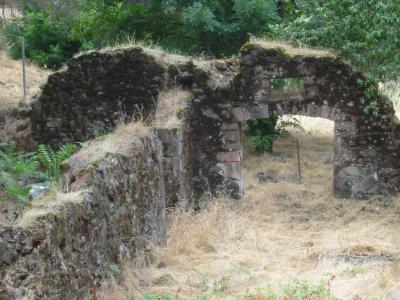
301	152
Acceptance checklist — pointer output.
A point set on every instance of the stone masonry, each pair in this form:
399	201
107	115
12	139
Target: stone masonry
90	94
65	247
114	205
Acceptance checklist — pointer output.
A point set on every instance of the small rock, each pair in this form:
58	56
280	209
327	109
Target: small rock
162	265
22	183
164	280
264	177
38	191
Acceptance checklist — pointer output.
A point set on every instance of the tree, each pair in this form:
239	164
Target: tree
366	31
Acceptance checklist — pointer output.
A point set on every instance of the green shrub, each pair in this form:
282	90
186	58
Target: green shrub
304	290
366	32
19	170
16	170
217	28
47	40
262	132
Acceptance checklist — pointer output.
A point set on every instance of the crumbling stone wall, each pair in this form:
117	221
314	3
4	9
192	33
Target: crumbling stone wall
225	94
177	173
94	93
116	207
64	248
367	146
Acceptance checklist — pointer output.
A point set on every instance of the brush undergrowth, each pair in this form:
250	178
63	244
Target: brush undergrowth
295	290
19	170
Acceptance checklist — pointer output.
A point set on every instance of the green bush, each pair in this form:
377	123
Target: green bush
19	170
47	40
366	32
216	28
262	132
16	170
304	290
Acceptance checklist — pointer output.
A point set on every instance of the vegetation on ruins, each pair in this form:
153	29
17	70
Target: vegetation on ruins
16	170
20	170
248	249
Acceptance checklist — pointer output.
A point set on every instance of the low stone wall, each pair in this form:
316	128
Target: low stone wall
65	246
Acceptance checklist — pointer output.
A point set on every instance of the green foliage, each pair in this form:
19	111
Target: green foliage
286	83
115	269
220	285
262	132
303	290
46	38
16	169
372	100
53	160
217	28
367	32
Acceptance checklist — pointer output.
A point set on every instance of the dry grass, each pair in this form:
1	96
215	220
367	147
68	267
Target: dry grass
170	104
47	208
11	80
119	141
302	51
278	232
161	55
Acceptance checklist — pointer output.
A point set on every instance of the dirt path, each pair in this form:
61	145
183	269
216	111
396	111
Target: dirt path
283	238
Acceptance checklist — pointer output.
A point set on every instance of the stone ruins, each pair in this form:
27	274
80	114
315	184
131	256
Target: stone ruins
116	193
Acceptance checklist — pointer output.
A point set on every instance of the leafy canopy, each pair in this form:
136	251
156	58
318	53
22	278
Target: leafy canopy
365	31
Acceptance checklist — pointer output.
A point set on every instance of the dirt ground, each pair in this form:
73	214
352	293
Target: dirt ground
283	240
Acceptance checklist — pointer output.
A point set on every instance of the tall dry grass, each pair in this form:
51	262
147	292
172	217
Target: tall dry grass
11	91
278	232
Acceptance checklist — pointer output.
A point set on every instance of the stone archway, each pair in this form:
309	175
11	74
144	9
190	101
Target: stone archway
367	146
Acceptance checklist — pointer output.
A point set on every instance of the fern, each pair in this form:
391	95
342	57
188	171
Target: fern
52	160
16	167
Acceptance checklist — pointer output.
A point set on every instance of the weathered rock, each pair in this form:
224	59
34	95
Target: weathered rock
62	249
38	191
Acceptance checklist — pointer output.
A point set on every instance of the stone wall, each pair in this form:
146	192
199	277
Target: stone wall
94	93
367	146
88	96
177	173
65	246
115	204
